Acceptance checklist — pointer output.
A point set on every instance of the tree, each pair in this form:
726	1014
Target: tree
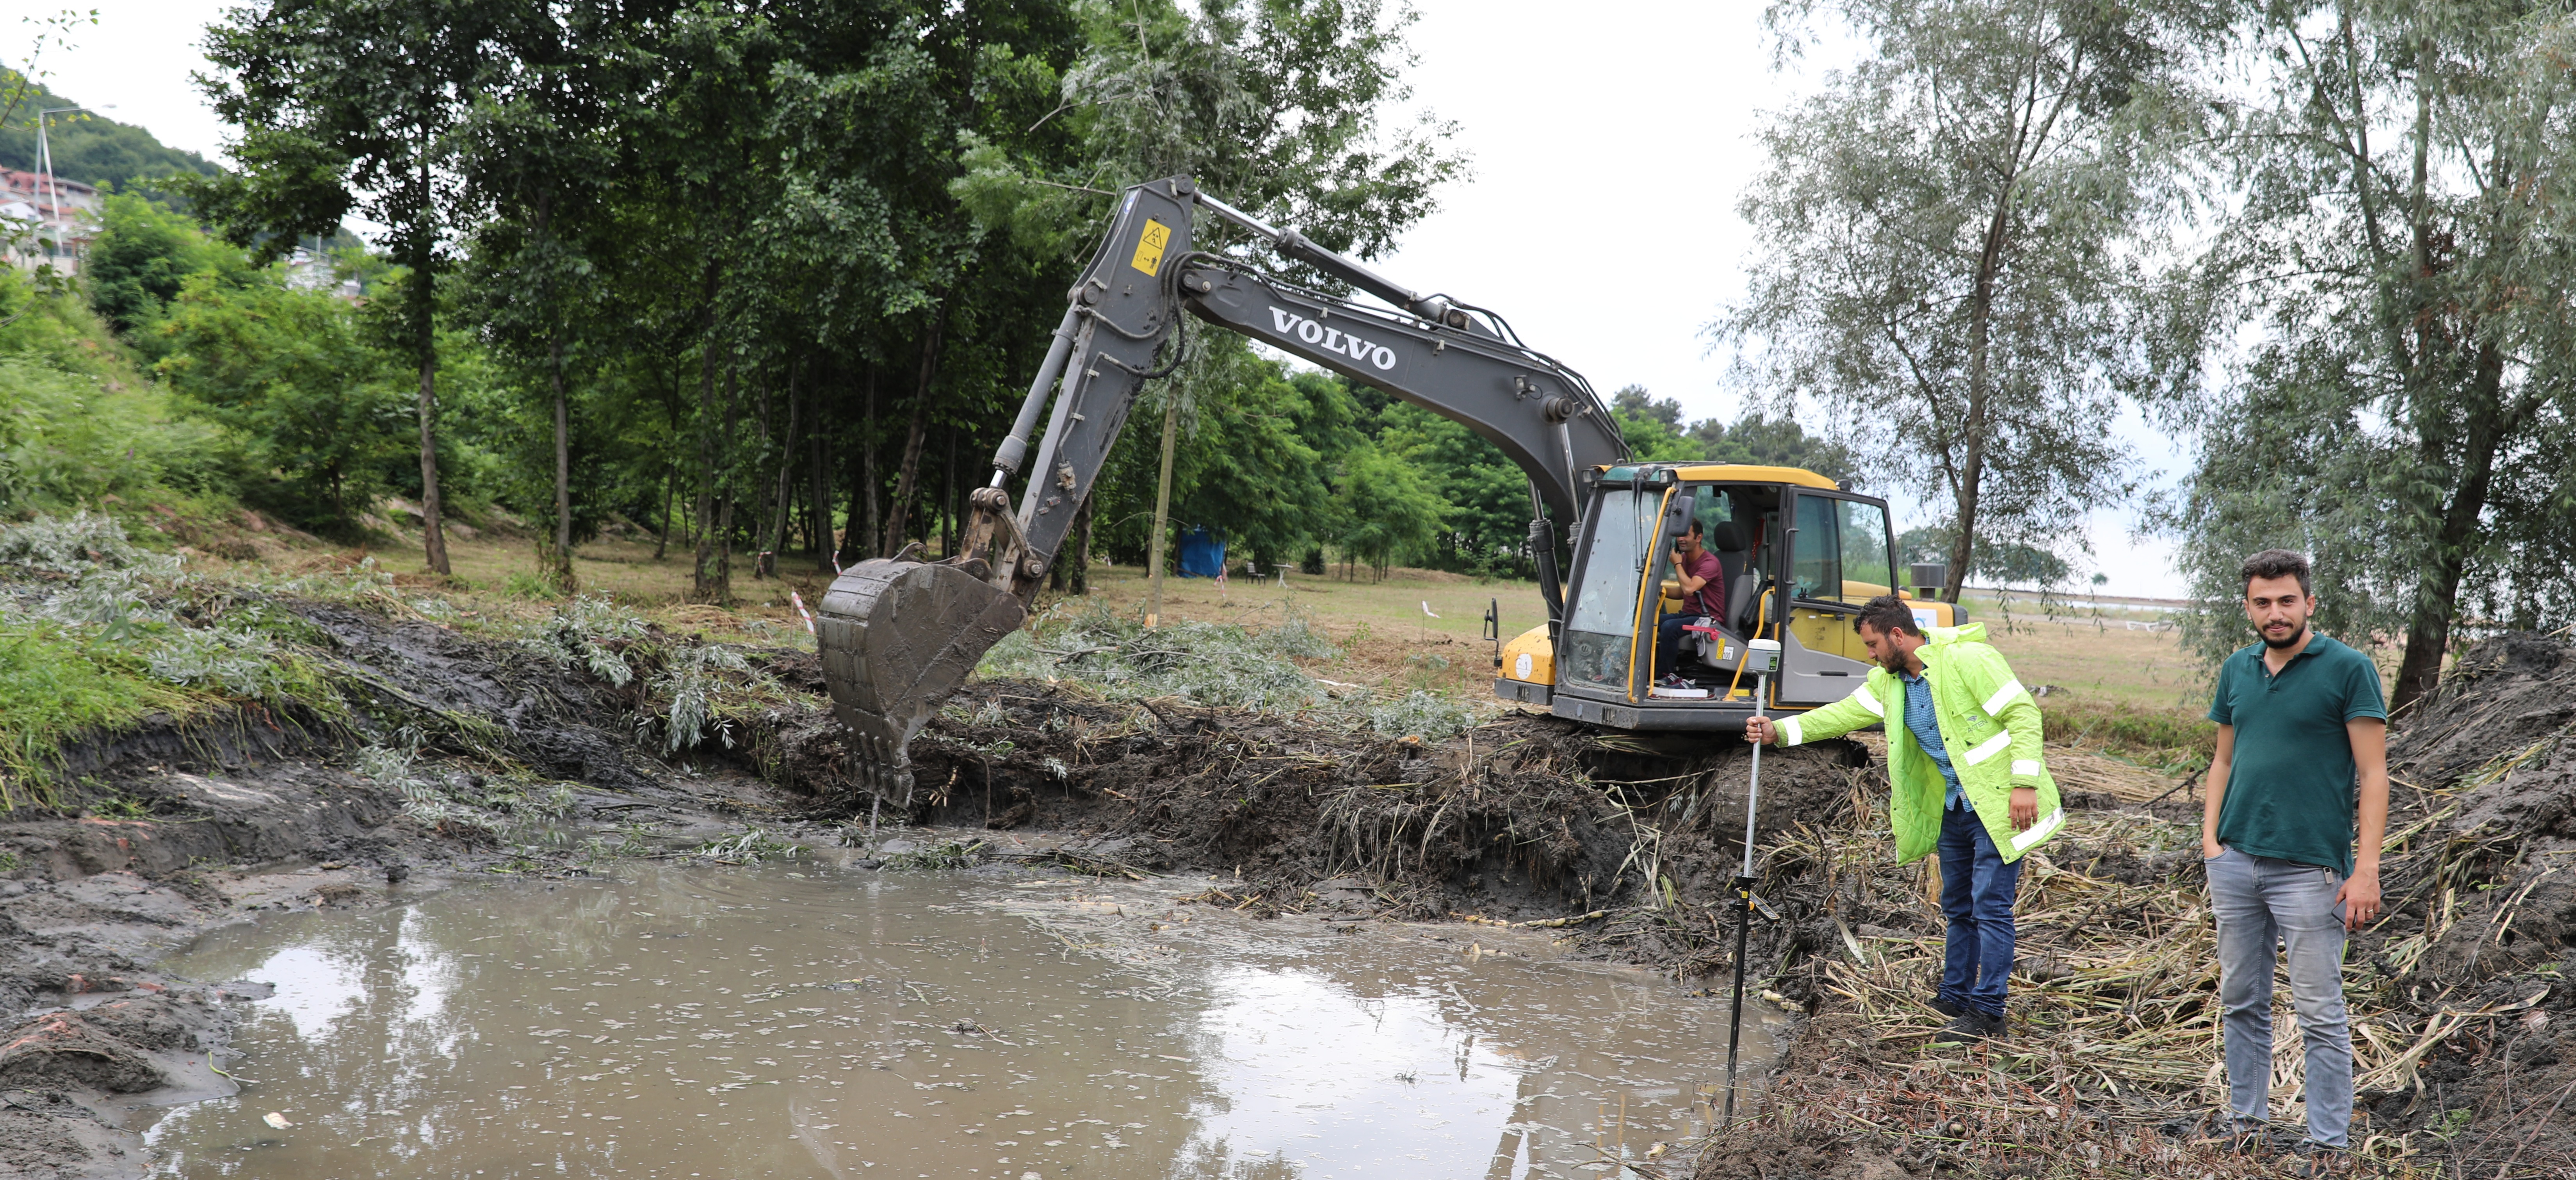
2408	416
1383	513
1947	228
292	376
1760	440
141	258
537	163
1278	106
347	106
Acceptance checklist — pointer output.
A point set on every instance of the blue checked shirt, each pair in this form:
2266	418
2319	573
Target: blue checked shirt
1926	727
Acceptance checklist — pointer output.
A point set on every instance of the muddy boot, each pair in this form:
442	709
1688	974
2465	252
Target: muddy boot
2316	1159
1975	1026
2233	1135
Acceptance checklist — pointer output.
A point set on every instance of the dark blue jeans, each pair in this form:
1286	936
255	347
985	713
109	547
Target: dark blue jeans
1977	897
1671	643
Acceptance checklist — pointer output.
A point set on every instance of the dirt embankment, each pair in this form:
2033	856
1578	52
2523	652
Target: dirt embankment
171	829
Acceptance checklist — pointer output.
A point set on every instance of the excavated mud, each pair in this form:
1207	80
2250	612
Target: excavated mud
2488	762
1526	818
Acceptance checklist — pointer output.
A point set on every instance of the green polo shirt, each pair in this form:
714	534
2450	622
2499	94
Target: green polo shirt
2290	788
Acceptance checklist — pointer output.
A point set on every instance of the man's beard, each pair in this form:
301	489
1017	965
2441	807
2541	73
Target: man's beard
2278	644
1895	663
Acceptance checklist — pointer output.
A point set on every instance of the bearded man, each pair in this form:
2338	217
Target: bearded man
2289	838
1965	777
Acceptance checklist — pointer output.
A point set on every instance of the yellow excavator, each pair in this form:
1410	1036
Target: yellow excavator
1797	555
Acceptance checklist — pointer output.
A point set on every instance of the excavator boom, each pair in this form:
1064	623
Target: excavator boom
898	636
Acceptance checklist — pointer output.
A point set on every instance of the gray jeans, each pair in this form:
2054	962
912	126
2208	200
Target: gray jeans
2259	900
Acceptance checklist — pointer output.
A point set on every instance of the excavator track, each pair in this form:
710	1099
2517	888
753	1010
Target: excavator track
897	637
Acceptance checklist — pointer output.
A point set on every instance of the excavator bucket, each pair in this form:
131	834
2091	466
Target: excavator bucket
896	638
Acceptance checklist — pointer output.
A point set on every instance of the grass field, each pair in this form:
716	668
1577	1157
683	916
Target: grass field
1415	628
2113	680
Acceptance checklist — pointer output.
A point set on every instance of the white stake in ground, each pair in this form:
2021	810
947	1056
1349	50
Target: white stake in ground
1762	658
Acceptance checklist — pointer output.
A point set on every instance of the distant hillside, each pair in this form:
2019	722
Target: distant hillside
91	149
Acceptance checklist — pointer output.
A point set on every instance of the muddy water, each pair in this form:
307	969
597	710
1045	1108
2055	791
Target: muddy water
812	1021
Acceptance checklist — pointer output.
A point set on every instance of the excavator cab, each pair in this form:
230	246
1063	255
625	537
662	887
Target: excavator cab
1796	556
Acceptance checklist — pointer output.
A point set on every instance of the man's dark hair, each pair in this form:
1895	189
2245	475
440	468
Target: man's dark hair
2277	563
1887	614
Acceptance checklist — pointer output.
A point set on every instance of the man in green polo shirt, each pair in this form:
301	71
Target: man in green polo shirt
2302	762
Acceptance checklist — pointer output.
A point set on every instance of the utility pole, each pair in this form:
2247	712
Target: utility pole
45	163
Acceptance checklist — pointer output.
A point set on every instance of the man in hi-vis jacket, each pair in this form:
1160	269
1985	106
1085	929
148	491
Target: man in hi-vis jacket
1964	776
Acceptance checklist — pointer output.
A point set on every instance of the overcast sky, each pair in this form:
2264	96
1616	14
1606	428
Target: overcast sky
1610	142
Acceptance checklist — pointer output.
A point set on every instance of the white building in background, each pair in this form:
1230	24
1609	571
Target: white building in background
44	209
307	270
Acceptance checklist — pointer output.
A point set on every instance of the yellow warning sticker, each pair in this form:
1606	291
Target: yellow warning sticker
1149	249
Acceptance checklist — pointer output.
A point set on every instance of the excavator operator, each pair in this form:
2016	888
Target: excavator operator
1703	580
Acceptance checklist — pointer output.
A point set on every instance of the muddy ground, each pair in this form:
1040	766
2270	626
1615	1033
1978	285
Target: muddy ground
172	829
161	833
1626	848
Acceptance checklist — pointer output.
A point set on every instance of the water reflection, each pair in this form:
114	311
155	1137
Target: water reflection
810	1023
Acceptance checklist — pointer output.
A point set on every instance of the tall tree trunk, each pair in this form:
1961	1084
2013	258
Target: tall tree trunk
2428	628
1972	468
826	546
702	574
868	474
425	340
1162	513
785	492
670	489
760	521
948	501
1079	581
904	478
854	537
559	563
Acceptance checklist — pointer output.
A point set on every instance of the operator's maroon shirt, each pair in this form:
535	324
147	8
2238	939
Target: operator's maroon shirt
1710	598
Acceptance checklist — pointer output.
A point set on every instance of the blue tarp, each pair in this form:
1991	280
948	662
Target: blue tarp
1202	553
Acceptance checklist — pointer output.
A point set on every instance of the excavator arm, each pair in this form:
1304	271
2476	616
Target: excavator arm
898	636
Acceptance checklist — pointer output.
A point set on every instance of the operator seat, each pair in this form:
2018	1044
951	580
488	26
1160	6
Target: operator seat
1726	539
1743	580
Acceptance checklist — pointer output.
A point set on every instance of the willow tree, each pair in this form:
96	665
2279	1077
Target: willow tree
1946	229
2408	412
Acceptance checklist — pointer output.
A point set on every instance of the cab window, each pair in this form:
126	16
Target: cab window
1816	551
1865	550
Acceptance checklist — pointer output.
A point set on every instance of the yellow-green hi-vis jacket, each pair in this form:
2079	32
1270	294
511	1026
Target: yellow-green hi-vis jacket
1989	726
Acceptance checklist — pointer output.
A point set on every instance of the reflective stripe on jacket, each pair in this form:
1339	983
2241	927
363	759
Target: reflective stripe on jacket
1989	725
